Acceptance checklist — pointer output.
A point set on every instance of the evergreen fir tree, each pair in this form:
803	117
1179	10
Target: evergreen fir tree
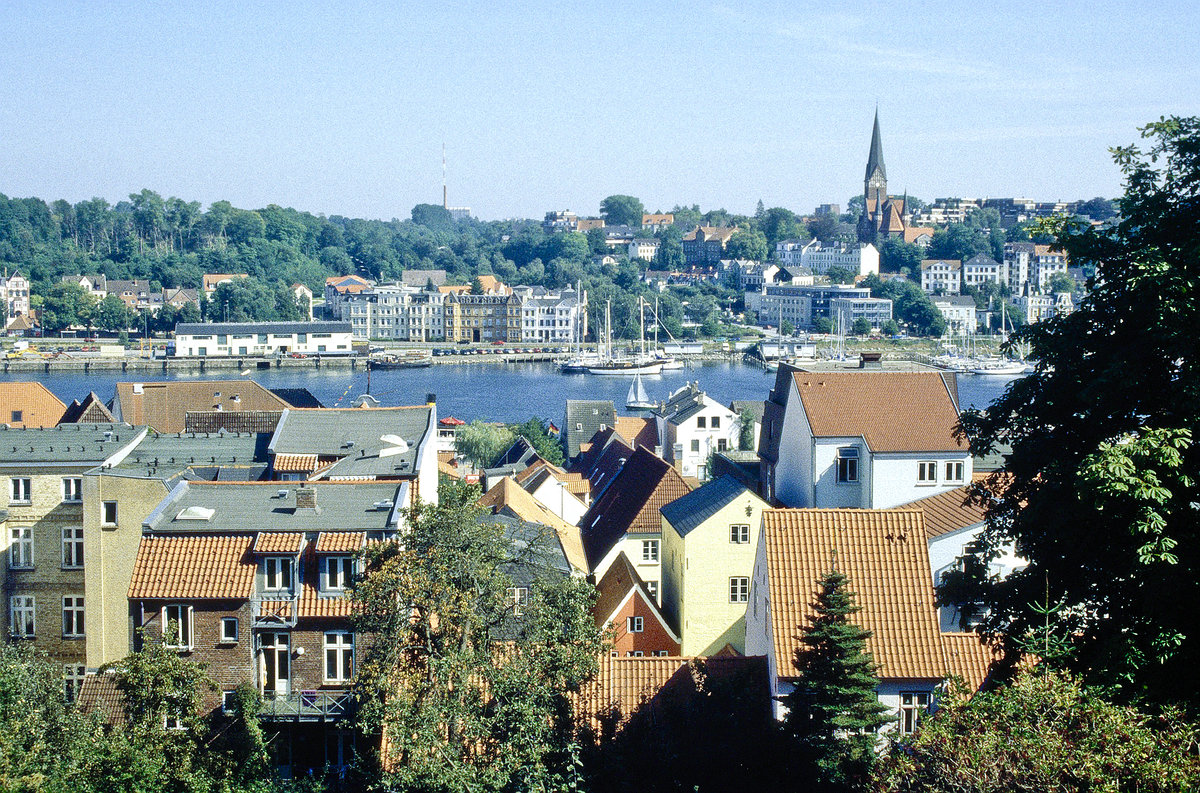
833	713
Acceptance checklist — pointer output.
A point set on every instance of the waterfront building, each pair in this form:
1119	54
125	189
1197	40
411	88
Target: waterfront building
421	278
941	275
709	541
552	317
958	311
340	287
801	305
845	311
136	294
863	440
210	281
691	427
982	269
226	339
14	296
859	258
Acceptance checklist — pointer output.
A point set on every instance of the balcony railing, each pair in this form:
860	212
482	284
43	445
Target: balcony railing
307	706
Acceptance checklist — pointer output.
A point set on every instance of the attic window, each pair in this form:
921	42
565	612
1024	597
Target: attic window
196	513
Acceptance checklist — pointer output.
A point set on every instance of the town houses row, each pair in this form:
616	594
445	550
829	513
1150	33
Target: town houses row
225	520
422	307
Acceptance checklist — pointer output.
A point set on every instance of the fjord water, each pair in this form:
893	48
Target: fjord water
495	391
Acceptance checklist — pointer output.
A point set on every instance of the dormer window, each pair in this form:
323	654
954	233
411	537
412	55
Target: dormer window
277	573
337	573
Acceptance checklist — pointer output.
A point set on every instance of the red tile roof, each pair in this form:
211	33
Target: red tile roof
891	411
883	553
194	568
287	542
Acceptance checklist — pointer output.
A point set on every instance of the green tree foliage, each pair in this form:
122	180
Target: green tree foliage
890	328
821	325
839	275
1044	732
458	709
432	217
481	442
861	327
1100	496
898	256
40	736
537	432
747	244
112	314
833	712
746	430
959	241
622	210
1061	282
67	305
669	255
826	227
1097	209
778	224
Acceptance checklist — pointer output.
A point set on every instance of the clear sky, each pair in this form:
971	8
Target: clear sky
342	108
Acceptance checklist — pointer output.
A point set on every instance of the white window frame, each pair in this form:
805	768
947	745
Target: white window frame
927	472
20	549
635	625
339	647
22	616
227	702
739	533
105	506
281	569
73	677
518	598
652	588
739	589
955	470
20	490
72	548
73	626
336	573
650	552
701	423
714	423
913	705
846	463
72	489
225	623
182	615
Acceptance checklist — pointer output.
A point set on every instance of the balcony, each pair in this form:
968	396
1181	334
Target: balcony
307	706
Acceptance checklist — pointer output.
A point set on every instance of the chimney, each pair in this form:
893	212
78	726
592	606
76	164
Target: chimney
430	399
306	498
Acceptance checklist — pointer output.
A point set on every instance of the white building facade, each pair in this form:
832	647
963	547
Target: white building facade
226	339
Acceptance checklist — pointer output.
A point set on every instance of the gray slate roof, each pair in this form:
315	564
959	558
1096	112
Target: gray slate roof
247	508
355	435
85	445
212	328
590	413
688	512
755	406
167	455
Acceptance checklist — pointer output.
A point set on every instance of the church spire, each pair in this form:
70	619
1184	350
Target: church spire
875	159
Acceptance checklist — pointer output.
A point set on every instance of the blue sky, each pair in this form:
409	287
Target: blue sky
343	108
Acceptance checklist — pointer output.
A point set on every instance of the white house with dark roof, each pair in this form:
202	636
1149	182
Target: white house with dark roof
226	339
693	425
866	440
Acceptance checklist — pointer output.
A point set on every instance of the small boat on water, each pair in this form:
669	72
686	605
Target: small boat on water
417	359
999	368
630	366
637	399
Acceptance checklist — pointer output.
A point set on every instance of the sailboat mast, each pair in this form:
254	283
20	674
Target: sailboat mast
642	324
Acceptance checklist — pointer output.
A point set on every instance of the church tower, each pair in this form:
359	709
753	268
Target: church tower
874	189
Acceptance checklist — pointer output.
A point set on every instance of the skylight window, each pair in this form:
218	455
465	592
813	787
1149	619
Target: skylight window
196	513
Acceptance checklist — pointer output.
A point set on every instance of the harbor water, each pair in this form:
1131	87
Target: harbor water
494	391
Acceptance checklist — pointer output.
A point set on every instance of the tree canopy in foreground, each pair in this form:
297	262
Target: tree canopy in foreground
1099	494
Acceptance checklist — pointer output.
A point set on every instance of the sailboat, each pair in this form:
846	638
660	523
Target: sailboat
636	365
637	399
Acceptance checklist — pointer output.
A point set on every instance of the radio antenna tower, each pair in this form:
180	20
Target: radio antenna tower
445	203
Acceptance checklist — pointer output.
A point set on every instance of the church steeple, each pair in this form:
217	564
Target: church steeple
875	158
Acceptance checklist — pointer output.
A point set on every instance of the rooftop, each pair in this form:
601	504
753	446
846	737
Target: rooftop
949	512
691	510
164	405
883	553
240	507
367	442
227	328
506	496
891	411
167	455
85	445
29	404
